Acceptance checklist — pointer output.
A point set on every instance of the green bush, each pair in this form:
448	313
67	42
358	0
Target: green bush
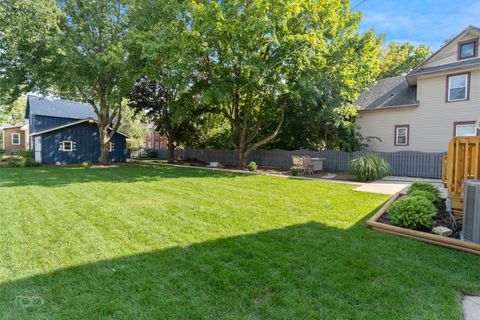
30	162
370	167
86	164
425	194
25	154
294	171
424	186
412	212
252	166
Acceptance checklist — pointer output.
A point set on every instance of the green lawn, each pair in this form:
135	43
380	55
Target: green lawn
146	242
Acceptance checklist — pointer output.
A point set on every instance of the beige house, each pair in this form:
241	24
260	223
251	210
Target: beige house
425	109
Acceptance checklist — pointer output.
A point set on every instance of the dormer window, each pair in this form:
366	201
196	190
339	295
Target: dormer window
467	49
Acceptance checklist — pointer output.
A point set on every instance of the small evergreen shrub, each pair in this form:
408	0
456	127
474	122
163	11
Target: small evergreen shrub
86	164
294	171
252	166
424	186
425	194
412	212
370	167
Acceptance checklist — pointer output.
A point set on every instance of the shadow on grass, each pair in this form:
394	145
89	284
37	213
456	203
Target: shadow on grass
302	271
60	176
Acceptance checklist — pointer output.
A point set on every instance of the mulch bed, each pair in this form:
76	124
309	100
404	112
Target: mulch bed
442	219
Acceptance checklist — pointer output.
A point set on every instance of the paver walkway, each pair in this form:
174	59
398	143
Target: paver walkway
471	308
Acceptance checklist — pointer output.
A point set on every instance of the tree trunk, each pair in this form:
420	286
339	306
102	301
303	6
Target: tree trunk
104	145
171	151
105	154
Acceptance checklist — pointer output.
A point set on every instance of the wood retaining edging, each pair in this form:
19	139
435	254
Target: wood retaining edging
419	235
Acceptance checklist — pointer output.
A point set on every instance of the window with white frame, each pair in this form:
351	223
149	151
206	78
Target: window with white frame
457	87
402	135
67	146
112	146
466	129
15	139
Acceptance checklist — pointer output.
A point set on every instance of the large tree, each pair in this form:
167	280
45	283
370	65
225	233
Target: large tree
260	55
74	49
401	58
172	113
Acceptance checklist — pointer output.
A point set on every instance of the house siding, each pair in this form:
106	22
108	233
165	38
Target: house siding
7	136
39	123
87	142
431	124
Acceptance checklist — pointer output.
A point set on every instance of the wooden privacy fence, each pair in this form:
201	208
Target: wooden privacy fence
403	163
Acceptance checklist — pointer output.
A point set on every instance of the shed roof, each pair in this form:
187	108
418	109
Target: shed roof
388	93
58	108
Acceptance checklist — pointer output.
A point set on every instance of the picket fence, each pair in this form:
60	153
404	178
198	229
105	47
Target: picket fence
403	163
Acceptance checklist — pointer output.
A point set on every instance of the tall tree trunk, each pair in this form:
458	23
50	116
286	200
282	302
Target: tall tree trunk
104	144
171	150
242	159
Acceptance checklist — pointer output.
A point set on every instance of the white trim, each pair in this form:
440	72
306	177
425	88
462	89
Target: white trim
16	134
72	124
71	146
397	135
450	89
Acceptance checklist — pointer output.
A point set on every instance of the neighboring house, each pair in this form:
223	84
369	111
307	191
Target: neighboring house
154	140
66	132
425	109
14	138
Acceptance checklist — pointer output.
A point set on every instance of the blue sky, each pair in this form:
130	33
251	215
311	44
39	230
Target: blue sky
419	21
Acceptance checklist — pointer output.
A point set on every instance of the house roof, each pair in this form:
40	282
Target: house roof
388	93
58	108
446	67
70	125
21	126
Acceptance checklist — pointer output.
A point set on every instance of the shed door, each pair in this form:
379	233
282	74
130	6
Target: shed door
38	148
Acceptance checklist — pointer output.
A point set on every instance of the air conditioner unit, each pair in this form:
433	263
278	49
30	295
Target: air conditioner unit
471	212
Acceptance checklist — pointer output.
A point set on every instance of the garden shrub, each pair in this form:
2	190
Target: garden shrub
412	212
25	154
370	167
294	171
252	166
424	186
425	194
86	164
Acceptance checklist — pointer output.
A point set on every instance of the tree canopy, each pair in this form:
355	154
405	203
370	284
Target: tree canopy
260	56
401	58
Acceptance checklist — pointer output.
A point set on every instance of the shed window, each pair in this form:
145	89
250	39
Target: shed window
402	135
112	146
457	87
67	146
468	49
15	139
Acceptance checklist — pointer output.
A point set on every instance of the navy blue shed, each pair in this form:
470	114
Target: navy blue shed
66	132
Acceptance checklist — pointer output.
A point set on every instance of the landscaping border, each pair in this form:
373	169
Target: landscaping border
419	235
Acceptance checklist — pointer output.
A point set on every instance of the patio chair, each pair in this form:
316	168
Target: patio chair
307	165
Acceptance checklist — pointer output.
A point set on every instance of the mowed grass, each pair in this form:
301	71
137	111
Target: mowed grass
153	242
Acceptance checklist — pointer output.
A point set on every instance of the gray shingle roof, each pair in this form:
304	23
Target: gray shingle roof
59	108
388	93
444	67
